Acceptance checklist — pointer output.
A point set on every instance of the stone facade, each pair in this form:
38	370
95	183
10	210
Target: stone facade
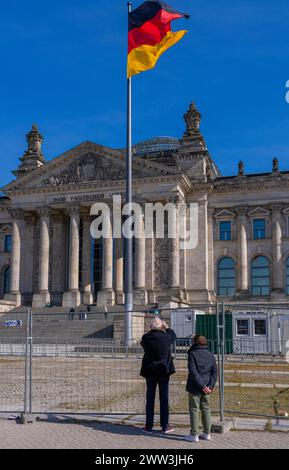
47	255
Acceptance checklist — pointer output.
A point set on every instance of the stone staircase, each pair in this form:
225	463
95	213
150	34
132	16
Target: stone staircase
6	306
56	325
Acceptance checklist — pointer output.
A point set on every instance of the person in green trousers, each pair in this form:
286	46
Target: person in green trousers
200	385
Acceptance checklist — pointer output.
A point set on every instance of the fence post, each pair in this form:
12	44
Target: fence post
30	361
220	353
26	416
223	345
219	362
26	377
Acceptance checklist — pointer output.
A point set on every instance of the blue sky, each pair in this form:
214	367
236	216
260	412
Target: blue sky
63	66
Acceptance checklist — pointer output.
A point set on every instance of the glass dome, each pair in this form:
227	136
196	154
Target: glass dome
157	144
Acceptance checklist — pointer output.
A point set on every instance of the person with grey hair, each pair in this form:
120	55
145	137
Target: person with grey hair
157	367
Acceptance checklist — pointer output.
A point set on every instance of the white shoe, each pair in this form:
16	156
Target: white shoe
191	438
205	437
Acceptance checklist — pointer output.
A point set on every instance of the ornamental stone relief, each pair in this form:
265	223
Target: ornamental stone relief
91	168
161	263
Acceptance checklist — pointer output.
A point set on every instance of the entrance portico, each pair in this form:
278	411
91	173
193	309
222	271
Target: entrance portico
70	267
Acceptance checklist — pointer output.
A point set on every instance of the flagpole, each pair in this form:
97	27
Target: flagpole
128	241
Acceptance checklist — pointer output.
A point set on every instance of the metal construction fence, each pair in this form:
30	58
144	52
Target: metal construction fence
77	362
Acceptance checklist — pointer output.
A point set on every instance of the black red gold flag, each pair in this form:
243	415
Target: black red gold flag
150	35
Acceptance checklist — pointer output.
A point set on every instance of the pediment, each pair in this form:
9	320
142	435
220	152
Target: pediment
92	167
87	163
258	211
6	228
224	213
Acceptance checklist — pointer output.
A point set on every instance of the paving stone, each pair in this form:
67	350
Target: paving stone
92	435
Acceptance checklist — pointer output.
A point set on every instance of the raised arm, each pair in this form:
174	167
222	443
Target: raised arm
170	332
172	335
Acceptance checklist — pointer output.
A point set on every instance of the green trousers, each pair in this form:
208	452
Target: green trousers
197	403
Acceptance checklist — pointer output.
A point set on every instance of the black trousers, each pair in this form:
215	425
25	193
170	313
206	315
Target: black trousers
152	383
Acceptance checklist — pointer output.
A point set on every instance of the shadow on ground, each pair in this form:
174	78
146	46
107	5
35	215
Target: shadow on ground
112	428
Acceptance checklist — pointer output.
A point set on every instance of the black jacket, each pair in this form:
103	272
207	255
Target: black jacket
202	369
157	360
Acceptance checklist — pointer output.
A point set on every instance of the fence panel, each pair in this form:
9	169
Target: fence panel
256	382
13	361
80	363
86	376
83	366
97	377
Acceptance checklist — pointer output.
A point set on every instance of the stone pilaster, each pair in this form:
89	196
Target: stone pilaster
106	296
87	297
211	264
243	287
140	293
278	279
197	265
174	253
42	297
17	227
71	297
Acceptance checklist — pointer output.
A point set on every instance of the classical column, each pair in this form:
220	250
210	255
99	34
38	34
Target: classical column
150	262
42	297
106	296
71	297
184	217
278	269
140	294
119	271
86	261
14	294
174	251
27	272
59	234
243	286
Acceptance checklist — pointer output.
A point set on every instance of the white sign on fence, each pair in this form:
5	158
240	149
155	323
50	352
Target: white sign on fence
13	323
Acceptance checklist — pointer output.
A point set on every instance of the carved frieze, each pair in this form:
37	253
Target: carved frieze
89	168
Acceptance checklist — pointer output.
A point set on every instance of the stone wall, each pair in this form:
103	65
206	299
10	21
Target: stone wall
138	327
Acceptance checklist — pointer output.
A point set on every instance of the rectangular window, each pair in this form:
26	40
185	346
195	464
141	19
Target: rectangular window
260	327
243	328
225	231
8	243
259	229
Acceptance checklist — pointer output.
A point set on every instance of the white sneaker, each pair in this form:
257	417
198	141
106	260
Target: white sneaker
205	437
191	438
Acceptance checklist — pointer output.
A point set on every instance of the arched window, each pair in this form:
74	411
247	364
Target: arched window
6	280
287	276
226	277
260	276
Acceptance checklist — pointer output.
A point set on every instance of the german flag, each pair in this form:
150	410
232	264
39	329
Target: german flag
150	35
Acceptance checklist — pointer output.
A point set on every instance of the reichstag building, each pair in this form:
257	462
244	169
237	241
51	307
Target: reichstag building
47	255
